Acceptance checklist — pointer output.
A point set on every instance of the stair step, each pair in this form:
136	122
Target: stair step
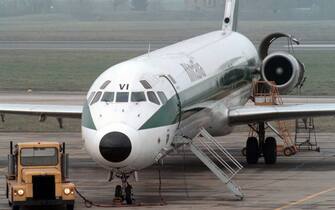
220	161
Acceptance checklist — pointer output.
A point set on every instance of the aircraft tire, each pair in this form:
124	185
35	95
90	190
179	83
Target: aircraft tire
252	150
270	151
118	192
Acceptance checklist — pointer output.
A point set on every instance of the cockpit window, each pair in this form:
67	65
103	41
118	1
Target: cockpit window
138	97
103	86
162	96
90	97
145	84
152	97
122	97
108	97
96	97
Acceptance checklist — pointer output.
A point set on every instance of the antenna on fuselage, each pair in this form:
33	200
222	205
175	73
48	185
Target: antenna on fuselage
230	16
149	48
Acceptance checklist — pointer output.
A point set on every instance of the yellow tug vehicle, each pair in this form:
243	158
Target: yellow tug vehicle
37	176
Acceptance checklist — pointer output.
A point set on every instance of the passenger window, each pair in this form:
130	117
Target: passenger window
90	97
108	97
122	97
96	98
162	96
138	97
152	97
145	84
103	86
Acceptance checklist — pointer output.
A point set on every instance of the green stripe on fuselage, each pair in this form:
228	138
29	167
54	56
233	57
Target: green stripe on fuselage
87	120
212	88
166	115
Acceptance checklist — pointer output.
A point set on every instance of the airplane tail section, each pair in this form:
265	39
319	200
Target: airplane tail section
230	15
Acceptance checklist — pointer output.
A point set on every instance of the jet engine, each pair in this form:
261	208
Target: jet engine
282	68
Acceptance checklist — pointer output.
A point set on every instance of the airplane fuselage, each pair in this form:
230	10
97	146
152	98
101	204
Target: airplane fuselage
136	108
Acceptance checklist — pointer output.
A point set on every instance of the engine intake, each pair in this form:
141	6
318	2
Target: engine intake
283	69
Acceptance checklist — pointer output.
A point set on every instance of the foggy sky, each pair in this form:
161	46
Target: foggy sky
170	9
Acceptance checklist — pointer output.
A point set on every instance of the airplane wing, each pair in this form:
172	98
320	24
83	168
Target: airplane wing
249	114
213	113
236	115
58	111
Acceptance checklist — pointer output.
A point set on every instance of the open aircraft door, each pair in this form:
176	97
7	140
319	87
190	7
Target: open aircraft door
168	83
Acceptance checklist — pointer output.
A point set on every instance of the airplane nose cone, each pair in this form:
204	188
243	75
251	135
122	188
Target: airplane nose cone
115	147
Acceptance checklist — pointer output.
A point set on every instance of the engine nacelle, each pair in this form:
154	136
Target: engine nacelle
283	69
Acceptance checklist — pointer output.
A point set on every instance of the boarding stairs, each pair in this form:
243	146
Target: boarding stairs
305	135
215	157
268	95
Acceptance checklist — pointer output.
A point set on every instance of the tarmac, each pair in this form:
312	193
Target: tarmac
303	181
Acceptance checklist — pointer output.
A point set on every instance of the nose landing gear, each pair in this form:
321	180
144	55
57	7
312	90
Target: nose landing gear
123	194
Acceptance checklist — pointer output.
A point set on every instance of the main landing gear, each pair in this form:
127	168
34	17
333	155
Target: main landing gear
266	147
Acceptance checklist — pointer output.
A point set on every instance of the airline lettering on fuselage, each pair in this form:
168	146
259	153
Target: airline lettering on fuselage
124	86
194	70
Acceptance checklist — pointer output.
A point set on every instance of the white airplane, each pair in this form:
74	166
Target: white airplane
136	109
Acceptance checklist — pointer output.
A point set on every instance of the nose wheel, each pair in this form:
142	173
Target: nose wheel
124	192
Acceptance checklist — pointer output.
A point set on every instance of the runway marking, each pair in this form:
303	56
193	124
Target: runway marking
306	199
